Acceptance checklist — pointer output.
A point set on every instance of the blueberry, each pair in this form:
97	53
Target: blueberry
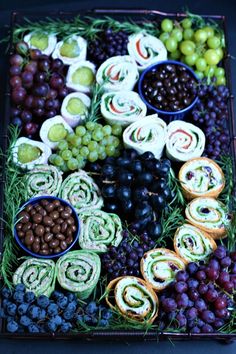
68	315
12	326
25	321
106	314
87	319
43	301
6	293
22	308
62	302
5	303
71	306
42	314
51	325
11	309
56	294
33	328
34	311
65	327
52	310
103	323
57	319
20	287
79	318
71	297
91	308
2	313
18	296
29	297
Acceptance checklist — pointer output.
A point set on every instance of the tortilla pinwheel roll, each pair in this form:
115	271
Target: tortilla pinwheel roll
71	50
184	141
193	244
209	215
146	49
43	180
118	73
122	108
201	177
79	272
80	76
99	230
159	267
147	134
38	275
81	192
134	299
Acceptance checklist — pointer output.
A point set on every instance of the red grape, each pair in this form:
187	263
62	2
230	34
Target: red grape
38	112
27	77
44	65
51	93
220	303
18	95
29	101
15	81
15	70
57	64
22	48
16	60
41	90
40	77
31	128
56	81
63	92
31	66
35	54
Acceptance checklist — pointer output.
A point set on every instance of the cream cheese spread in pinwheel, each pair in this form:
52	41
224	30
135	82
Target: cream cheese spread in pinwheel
81	192
71	50
41	40
99	230
80	76
134	298
147	134
184	141
79	272
146	49
38	275
201	177
124	107
159	267
193	244
74	108
43	180
210	215
118	73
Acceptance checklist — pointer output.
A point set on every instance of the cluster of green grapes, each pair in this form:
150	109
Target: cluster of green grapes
199	48
89	142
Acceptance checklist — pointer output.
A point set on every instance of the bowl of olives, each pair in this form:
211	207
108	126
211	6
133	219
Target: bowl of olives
46	227
170	88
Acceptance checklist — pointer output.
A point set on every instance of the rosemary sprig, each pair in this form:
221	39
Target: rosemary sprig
170	222
14	195
94	113
174	185
226	196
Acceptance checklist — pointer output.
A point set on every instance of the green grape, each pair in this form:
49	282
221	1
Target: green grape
167	25
64	167
93	156
188	33
191	59
70	137
116	130
171	44
84	151
66	154
72	164
187	47
175	55
177	34
98	126
219	52
164	36
90	126
110	150
100	149
211	57
81	161
97	134
76	141
209	30
210	70
110	140
92	146
80	130
86	139
201	64
186	23
199	74
116	153
200	36
58	161
75	151
52	158
116	142
219	72
106	130
62	145
220	80
104	141
213	42
102	155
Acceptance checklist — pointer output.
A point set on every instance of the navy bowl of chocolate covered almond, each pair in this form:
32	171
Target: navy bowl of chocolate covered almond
46	227
169	88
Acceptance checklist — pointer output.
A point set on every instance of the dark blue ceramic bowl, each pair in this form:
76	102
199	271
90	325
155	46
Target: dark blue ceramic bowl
168	116
76	235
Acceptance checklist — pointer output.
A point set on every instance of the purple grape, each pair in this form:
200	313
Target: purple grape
18	95
200	305
26	116
56	81
225	262
192	268
182	300
191	313
182	275
15	81
16	60
220	252
169	305
15	70
193	294
181	287
31	66
208	316
207	328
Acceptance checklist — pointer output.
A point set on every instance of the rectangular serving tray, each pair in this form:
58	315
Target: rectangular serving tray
137	15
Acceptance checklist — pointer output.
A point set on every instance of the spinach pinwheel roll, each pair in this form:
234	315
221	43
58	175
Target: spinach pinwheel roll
79	272
133	298
184	141
38	275
99	230
201	177
193	244
43	180
146	49
118	73
124	107
159	267
147	134
209	215
81	192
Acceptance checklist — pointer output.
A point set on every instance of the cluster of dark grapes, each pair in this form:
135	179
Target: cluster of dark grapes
109	44
26	313
125	259
37	89
136	188
200	298
211	115
93	314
